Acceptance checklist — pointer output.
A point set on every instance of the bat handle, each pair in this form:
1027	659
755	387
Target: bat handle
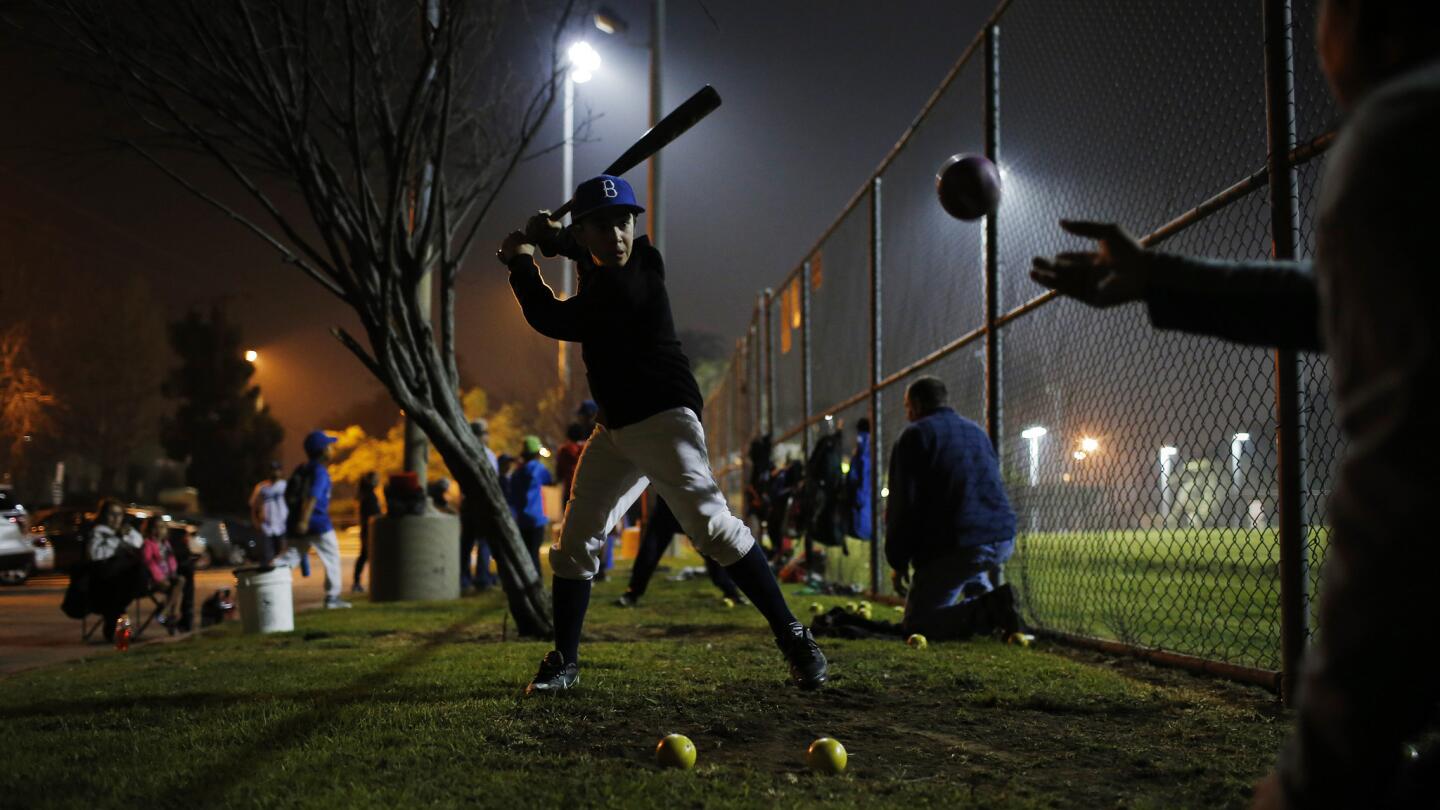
559	213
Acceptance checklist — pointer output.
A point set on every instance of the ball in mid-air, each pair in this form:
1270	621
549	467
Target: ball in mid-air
826	755
917	641
675	751
968	186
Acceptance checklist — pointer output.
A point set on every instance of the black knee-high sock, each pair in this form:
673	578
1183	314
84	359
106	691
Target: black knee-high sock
753	576
572	598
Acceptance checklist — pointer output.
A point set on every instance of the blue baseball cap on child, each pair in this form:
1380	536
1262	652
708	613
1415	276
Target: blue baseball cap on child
317	440
603	191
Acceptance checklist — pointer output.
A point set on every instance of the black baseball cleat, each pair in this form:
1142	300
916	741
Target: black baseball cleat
627	600
554	676
808	668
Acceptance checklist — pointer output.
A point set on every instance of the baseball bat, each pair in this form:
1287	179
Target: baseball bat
672	126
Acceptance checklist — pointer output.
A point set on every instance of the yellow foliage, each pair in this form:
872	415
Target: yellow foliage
357	452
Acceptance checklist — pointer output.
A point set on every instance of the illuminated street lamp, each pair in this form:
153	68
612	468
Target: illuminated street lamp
1167	465
1237	447
1033	435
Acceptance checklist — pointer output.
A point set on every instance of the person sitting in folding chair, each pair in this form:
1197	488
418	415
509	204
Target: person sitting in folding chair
113	549
162	570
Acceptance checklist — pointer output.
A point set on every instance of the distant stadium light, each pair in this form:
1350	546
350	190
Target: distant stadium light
1089	445
1033	432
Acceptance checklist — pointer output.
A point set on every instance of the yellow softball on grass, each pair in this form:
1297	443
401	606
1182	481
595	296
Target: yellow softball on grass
1020	639
826	755
675	751
816	608
728	602
917	641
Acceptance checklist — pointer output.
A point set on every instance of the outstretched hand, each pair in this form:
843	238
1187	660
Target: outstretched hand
516	243
1116	273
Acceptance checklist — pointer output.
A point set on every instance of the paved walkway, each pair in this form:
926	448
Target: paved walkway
34	633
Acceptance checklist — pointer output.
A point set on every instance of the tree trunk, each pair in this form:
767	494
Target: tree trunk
529	601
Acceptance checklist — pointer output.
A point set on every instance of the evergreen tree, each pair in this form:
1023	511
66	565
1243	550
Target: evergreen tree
221	429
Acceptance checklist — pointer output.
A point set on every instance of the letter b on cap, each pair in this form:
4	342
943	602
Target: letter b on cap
610	191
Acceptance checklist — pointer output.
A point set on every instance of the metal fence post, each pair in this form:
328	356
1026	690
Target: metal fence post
807	400
877	505
992	242
768	363
1284	229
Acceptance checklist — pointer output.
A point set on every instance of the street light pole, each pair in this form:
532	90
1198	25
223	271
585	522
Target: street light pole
1167	464
417	444
607	20
568	181
1033	435
657	41
582	63
1237	446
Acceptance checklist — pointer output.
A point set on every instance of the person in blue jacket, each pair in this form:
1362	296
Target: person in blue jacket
527	500
948	517
857	484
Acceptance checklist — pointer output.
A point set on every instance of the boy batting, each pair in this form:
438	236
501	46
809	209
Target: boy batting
648	430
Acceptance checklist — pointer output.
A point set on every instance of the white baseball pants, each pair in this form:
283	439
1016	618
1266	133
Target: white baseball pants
667	450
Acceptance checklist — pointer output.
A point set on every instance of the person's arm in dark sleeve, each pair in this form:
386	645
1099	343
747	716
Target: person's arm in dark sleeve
572	319
1257	303
902	504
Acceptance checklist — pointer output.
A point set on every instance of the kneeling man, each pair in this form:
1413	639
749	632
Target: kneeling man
947	515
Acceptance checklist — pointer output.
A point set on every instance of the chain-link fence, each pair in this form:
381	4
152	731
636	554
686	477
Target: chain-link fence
1170	489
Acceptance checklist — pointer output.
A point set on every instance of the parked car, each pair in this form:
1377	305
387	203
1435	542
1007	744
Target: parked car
11	510
17	555
61	529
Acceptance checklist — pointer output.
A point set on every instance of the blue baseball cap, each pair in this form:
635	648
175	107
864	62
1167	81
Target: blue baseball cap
604	191
587	408
317	440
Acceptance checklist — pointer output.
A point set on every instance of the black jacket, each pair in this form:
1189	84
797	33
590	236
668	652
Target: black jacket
621	319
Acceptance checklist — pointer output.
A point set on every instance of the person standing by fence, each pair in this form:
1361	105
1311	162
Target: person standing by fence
1372	301
369	508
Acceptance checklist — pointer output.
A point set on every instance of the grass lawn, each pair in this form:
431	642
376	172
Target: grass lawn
421	705
1213	593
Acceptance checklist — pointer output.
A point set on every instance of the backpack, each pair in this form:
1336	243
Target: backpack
296	489
822	492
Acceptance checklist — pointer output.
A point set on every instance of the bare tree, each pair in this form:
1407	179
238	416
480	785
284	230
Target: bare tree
365	140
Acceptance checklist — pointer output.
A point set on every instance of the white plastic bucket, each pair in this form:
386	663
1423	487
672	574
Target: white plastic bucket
266	603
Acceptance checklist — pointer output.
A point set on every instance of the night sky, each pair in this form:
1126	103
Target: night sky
815	95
